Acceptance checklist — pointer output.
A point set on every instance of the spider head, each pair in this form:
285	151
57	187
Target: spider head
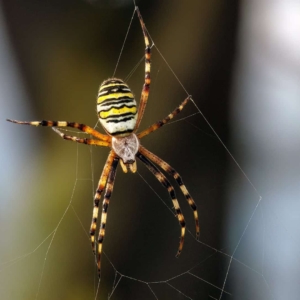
126	148
116	107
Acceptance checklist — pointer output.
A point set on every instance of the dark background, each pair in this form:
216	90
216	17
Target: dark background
62	51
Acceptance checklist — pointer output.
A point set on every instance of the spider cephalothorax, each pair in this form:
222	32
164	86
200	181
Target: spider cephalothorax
120	118
126	148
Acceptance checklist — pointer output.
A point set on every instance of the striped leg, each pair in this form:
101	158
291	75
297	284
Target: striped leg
164	181
107	195
100	188
164	121
166	167
78	126
80	140
146	87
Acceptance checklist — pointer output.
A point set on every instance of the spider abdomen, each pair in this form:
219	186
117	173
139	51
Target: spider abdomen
116	107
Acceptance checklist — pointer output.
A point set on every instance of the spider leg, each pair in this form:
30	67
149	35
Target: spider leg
164	121
78	126
80	140
107	195
164	181
166	167
146	86
101	185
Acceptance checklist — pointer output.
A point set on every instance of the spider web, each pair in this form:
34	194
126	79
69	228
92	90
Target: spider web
247	244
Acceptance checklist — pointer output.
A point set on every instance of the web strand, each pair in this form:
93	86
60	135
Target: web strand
207	122
189	271
123	45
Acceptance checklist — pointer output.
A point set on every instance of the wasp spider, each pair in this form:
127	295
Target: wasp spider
120	118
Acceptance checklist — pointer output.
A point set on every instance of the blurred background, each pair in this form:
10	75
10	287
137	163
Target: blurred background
241	62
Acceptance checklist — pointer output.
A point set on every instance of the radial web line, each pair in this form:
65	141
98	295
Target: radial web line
123	43
17	259
207	122
126	79
236	247
56	228
192	235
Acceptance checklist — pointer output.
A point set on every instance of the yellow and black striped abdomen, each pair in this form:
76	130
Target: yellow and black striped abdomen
116	107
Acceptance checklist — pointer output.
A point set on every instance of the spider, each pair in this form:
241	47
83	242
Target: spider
120	118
